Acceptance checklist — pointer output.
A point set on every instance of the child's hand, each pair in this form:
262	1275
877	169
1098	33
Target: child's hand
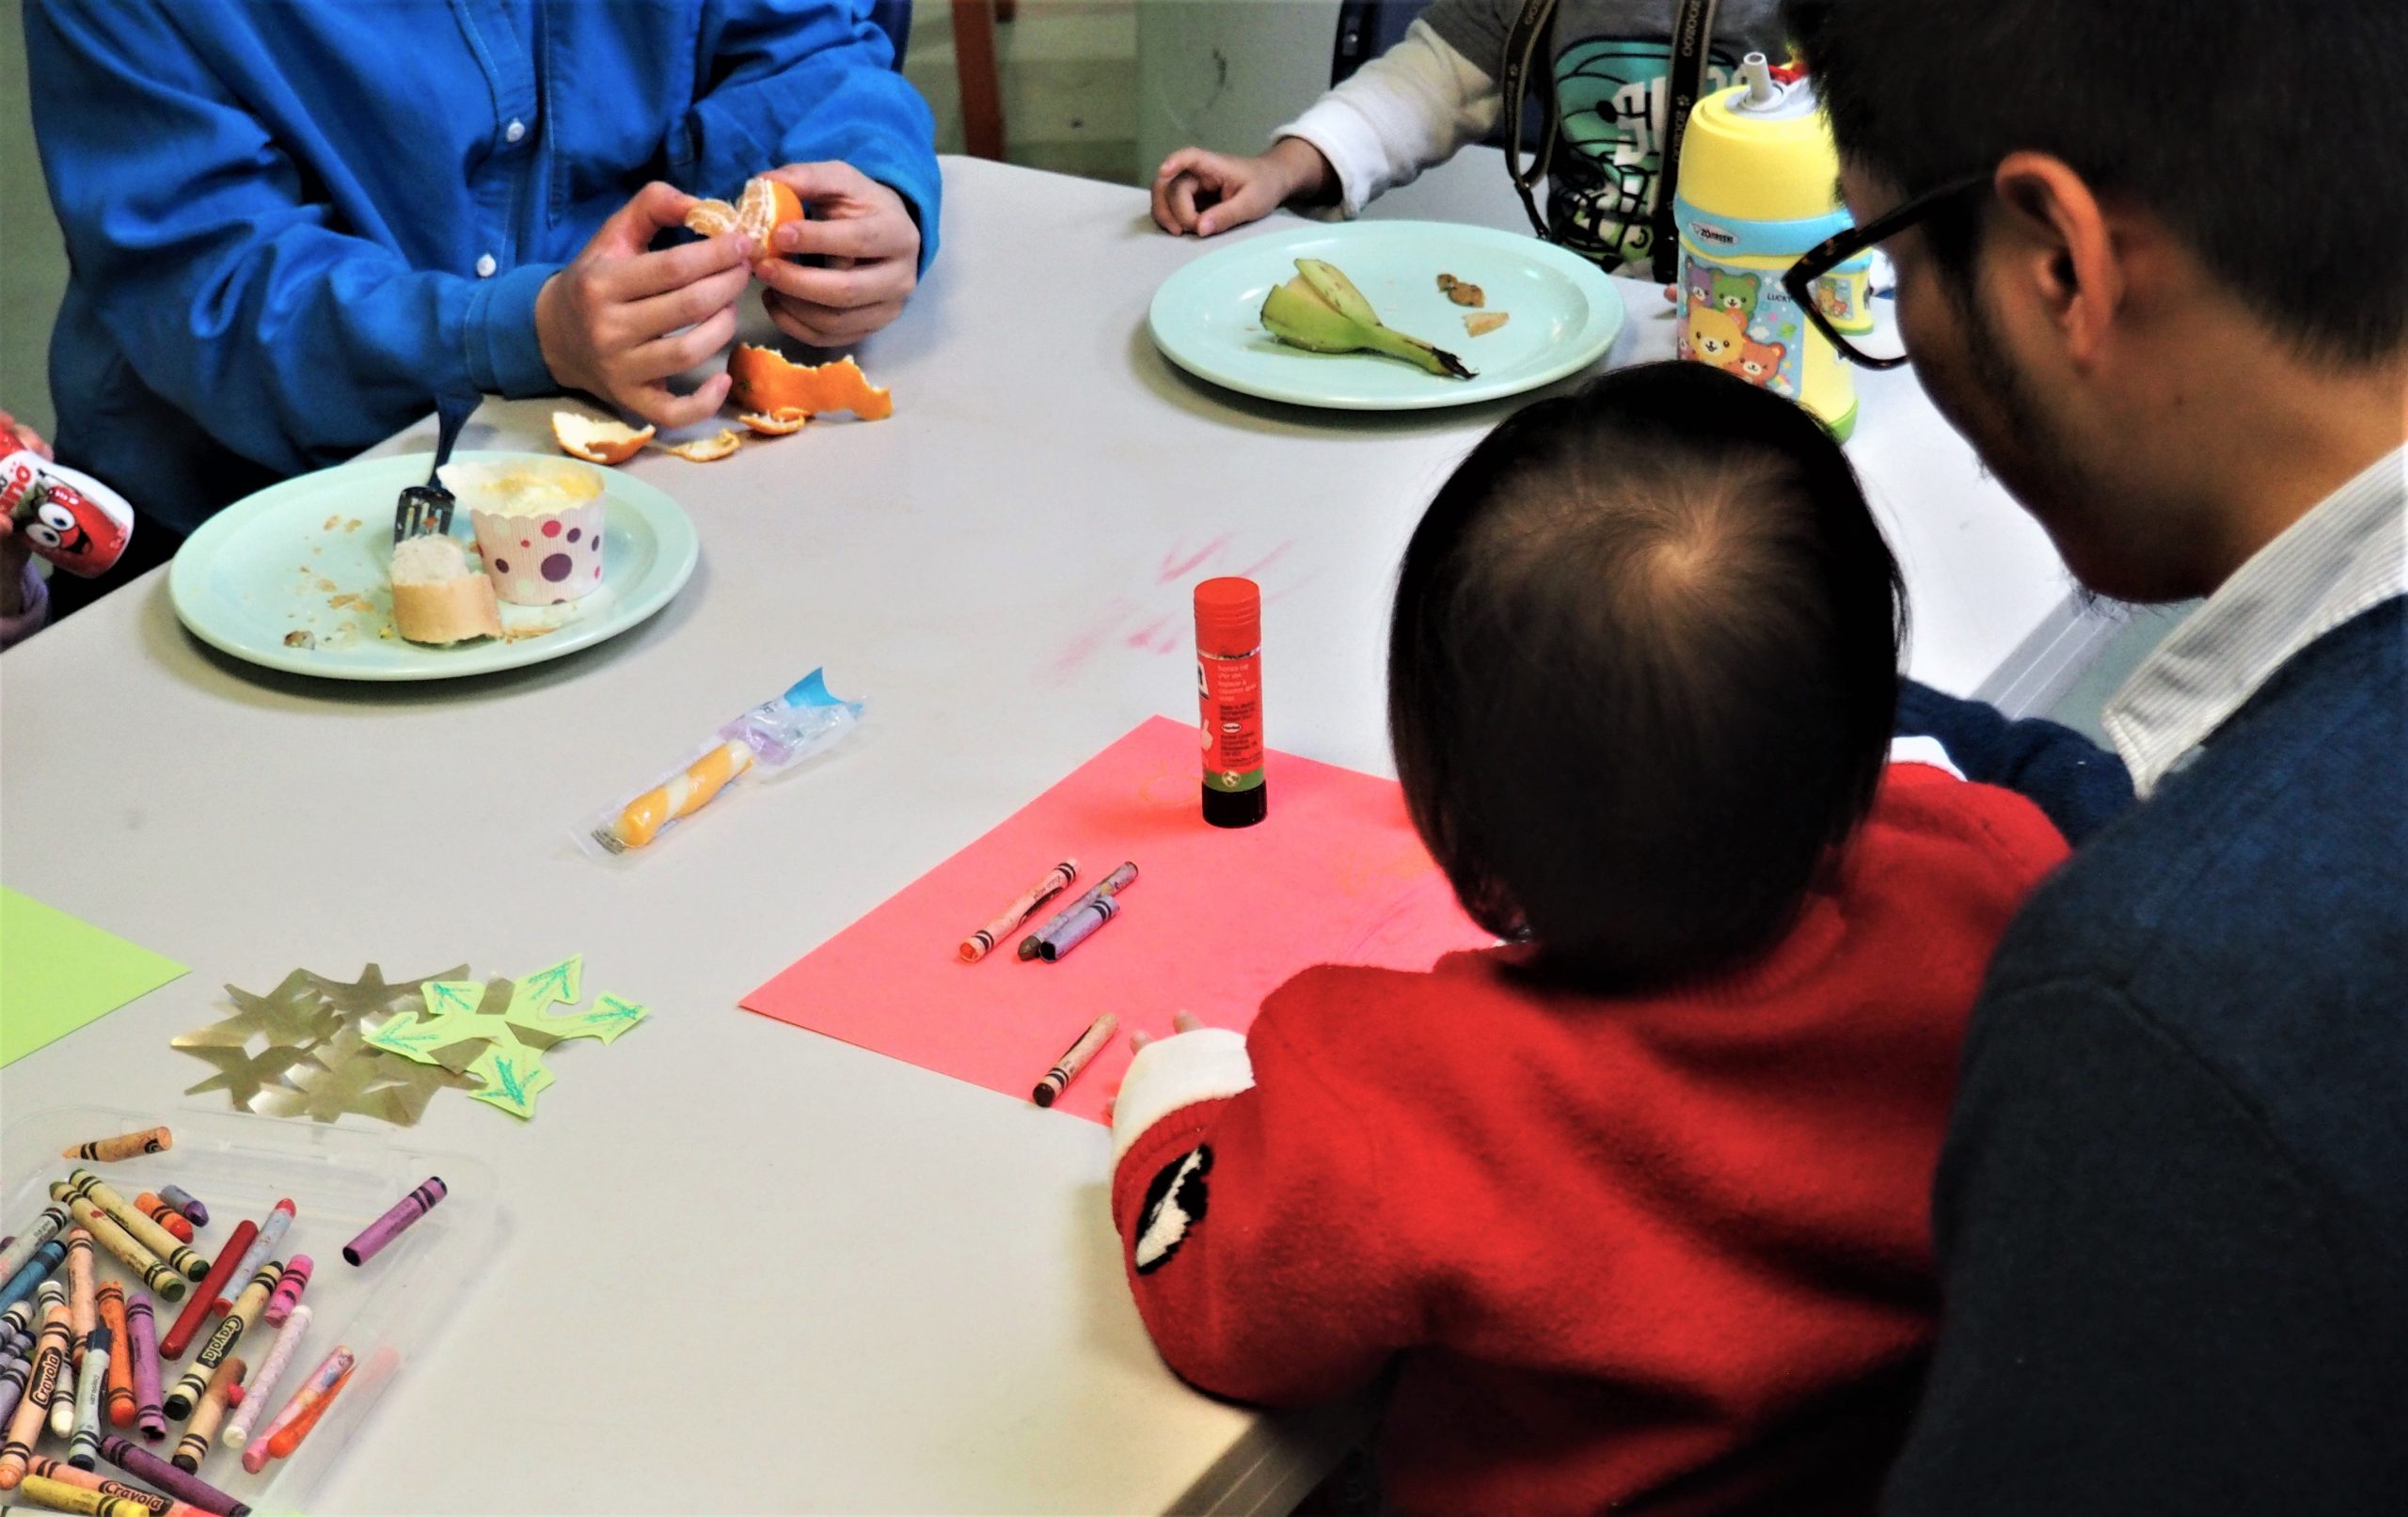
872	250
1180	1021
620	321
1201	191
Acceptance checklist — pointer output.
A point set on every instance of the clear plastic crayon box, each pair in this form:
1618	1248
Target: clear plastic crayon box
340	1180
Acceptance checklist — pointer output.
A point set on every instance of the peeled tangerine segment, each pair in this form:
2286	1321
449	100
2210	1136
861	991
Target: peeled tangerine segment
785	422
768	382
706	449
597	441
764	207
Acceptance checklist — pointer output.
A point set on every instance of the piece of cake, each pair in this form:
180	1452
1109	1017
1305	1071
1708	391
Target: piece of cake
540	525
439	595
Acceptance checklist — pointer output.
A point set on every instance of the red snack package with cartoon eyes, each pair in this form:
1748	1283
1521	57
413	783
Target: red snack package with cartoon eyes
64	514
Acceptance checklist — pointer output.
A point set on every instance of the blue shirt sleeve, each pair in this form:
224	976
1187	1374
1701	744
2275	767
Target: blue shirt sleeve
231	296
809	81
2081	785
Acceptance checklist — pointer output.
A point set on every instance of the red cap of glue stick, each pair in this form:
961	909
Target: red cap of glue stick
1228	617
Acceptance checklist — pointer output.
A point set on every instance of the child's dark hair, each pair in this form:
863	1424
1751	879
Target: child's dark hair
1642	672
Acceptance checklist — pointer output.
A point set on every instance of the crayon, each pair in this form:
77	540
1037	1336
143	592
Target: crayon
288	1290
58	1496
129	1251
281	1445
151	1469
254	1403
1057	880
151	1206
51	1221
172	1346
271	1233
328	1374
143	1230
84	1445
33	1409
14	1372
374	1236
202	1431
83	1292
51	1469
33	1272
1110	884
120	1390
132	1145
179	1199
1091	917
1075	1059
190	1386
142	1344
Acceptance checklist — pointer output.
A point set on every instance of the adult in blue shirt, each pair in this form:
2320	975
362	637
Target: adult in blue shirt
292	226
2149	262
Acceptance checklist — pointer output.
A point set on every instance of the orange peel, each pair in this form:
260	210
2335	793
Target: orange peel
706	449
783	423
763	207
767	383
597	441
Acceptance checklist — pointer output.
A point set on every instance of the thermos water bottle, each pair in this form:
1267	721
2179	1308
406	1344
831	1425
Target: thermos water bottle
1758	188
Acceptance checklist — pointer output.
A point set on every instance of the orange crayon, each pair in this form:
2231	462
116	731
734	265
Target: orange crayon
165	1216
131	1146
120	1371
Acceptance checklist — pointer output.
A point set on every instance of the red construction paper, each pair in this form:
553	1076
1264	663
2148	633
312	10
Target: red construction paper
1216	920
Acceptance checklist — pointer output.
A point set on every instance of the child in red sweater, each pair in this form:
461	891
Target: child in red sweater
1634	1207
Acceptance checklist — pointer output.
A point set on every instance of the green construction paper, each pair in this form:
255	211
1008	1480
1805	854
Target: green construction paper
512	1077
555	985
58	973
412	1037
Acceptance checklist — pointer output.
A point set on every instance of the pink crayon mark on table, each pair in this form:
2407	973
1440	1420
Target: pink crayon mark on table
1160	623
1180	561
1216	921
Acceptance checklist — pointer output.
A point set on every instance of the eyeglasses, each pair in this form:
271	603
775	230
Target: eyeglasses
1877	343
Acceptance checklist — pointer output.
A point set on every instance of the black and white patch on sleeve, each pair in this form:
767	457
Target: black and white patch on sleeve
1174	1204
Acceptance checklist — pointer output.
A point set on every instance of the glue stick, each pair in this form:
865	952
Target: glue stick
1228	682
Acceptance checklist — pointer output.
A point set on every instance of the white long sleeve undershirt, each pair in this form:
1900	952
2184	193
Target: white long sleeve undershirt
1409	108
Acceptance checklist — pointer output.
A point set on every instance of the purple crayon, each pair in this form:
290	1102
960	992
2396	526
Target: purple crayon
142	1342
288	1290
1092	914
1110	885
152	1470
179	1199
374	1236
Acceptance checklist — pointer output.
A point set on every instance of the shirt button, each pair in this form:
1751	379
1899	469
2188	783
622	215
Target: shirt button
516	131
485	265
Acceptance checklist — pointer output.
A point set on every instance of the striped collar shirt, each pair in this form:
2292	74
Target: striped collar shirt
2347	555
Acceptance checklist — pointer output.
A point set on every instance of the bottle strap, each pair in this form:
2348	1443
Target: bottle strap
1522	40
1692	31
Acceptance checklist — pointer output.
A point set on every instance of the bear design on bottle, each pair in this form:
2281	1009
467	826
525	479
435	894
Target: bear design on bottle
1712	336
1759	363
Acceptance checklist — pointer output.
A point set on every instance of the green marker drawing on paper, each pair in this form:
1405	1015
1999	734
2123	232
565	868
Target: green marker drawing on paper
513	1079
447	997
557	984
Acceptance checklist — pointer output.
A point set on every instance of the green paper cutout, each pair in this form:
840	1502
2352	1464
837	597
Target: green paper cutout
445	996
513	1078
557	985
412	1037
58	973
609	1017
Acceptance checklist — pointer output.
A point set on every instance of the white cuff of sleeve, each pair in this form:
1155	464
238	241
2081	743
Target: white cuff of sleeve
1209	1064
1922	750
1355	152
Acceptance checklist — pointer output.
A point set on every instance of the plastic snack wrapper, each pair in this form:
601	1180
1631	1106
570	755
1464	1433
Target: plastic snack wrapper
779	732
64	514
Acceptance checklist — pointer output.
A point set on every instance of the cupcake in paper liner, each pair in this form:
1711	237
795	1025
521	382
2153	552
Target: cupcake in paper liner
539	526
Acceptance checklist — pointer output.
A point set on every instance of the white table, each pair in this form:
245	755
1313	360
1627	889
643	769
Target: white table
837	1283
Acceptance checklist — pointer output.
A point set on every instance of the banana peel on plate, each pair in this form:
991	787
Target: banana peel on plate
1320	310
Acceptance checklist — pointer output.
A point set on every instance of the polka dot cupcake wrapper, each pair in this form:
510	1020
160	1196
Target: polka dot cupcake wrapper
542	560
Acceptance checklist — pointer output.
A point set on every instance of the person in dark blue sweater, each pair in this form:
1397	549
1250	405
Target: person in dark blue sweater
2135	242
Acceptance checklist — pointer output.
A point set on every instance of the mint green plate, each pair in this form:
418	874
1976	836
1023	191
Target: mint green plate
1565	312
311	555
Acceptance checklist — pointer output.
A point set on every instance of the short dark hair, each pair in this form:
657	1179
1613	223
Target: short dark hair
2270	135
1642	672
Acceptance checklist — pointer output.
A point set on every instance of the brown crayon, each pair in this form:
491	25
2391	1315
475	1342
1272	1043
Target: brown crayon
1075	1059
202	1431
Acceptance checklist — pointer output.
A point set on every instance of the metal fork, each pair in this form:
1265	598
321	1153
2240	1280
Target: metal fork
425	509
